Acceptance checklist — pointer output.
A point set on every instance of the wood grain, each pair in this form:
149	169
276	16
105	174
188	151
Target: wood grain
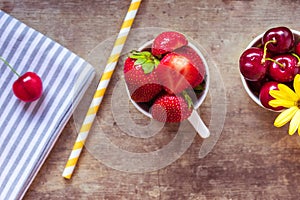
252	159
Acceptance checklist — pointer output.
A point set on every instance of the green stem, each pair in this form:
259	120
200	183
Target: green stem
11	68
298	58
275	61
265	50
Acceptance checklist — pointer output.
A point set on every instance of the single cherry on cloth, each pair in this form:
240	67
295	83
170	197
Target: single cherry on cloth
28	87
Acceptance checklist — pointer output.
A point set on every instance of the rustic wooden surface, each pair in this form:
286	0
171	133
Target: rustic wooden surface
252	159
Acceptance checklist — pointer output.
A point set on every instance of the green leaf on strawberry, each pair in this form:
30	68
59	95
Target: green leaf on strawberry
200	88
140	61
145	59
188	99
148	67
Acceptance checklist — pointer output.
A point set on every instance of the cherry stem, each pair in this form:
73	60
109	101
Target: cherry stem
265	50
11	68
298	58
275	61
270	59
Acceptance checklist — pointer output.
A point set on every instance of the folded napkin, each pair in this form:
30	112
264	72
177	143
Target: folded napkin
28	131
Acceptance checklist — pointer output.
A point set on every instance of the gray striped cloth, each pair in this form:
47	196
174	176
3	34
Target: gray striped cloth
28	131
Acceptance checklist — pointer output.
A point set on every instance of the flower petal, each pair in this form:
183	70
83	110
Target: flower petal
288	92
277	94
295	122
285	116
297	84
281	102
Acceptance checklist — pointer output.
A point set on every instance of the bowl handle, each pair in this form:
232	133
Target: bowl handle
198	124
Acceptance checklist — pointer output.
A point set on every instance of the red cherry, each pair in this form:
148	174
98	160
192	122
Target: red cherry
283	39
252	64
28	87
255	86
297	49
284	68
265	97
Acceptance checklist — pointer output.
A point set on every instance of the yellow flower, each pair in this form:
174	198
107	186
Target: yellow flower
289	99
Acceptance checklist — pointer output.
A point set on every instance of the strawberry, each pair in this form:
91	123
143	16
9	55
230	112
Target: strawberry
167	42
171	108
195	59
177	73
139	71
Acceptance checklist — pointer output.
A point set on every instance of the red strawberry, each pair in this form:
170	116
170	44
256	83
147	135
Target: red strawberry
171	108
140	76
167	42
195	59
177	73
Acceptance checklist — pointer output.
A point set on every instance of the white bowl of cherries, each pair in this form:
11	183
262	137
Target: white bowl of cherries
270	58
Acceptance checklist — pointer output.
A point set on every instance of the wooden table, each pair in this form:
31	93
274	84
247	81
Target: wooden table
251	160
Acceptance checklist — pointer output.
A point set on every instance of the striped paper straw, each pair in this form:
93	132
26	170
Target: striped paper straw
98	96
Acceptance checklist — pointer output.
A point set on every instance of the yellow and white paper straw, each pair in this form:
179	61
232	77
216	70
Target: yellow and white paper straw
104	81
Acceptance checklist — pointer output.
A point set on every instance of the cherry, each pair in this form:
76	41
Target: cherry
27	87
284	68
253	65
297	49
255	86
282	39
265	97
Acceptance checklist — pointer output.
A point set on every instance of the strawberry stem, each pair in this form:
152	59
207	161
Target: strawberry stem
11	68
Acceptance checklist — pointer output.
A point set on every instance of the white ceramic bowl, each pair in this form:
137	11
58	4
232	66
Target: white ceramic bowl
194	119
256	41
